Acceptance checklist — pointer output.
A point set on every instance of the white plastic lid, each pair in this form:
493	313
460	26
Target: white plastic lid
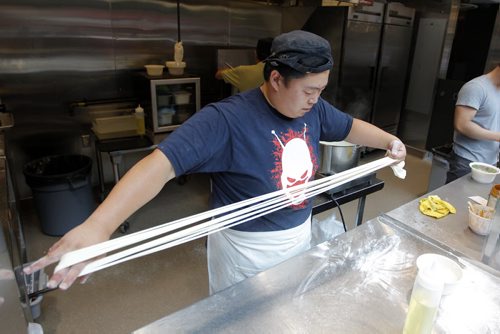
431	277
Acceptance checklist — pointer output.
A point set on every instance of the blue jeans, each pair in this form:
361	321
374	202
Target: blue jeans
458	167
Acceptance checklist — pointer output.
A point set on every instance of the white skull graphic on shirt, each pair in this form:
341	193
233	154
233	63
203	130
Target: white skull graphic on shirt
297	166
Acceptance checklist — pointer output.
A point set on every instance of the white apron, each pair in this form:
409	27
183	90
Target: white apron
235	255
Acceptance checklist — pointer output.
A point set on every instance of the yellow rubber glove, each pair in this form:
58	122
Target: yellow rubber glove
435	207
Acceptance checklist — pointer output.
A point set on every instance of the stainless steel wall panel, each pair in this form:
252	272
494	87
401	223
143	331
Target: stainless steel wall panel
54	37
55	52
48	45
143	32
59	43
205	23
248	23
202	22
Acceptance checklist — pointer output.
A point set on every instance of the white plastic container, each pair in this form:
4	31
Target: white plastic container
115	127
483	173
182	97
165	116
425	299
481	218
154	70
450	271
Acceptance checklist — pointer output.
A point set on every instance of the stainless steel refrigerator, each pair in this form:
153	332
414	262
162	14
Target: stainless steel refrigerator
370	46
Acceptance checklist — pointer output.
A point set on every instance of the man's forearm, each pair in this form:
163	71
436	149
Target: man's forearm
137	187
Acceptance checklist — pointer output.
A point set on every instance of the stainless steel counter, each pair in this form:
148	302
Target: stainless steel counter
452	230
359	282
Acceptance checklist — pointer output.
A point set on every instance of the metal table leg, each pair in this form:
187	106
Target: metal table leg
100	173
361	209
116	160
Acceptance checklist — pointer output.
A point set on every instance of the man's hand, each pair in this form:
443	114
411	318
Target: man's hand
81	236
396	150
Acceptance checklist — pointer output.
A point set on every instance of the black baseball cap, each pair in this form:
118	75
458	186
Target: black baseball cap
301	50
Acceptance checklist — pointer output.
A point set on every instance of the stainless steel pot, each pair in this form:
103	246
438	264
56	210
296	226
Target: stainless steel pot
338	156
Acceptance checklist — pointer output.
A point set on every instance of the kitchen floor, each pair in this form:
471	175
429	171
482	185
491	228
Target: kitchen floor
133	294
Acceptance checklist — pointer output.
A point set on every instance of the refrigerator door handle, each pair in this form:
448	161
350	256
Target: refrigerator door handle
372	77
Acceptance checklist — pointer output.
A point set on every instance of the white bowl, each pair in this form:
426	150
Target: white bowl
483	173
450	270
479	224
175	68
154	70
182	97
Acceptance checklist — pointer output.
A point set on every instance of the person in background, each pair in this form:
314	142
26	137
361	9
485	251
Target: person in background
253	143
477	124
246	77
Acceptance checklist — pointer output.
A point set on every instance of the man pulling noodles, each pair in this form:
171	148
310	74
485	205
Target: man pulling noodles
256	142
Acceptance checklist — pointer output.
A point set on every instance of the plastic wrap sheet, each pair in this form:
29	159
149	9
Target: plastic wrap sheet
359	282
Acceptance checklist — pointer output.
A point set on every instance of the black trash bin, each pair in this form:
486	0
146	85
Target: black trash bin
62	191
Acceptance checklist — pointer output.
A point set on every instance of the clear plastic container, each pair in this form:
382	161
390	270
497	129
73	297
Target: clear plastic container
425	299
494	197
491	247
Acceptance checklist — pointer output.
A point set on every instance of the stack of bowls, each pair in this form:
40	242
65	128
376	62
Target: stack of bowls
175	68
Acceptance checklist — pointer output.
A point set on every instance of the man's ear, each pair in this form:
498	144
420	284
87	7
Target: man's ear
274	80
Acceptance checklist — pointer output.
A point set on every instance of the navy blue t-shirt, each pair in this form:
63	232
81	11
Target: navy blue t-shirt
250	149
